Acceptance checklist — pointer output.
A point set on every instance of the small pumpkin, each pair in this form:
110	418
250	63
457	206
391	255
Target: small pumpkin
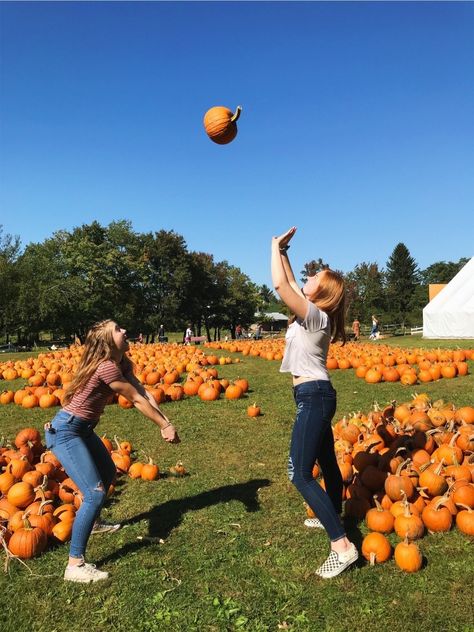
409	525
376	548
28	541
379	519
135	470
437	517
21	494
178	469
408	556
220	124
150	471
253	410
465	520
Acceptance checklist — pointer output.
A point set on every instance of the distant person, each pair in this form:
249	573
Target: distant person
319	319
238	331
258	332
161	334
356	329
140	338
188	335
374	332
104	369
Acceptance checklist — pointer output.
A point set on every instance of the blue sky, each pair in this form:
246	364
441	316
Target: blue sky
357	125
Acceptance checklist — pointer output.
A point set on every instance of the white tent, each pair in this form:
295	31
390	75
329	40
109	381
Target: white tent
451	313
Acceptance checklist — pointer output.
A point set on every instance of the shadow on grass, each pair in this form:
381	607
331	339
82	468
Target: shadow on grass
166	517
355	535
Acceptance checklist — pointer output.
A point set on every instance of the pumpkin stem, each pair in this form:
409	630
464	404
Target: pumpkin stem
235	118
372	558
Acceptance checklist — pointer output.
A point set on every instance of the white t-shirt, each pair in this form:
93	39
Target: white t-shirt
307	344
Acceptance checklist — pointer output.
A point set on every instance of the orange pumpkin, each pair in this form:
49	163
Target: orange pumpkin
376	548
220	124
27	541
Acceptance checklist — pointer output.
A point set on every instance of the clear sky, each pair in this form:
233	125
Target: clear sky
357	125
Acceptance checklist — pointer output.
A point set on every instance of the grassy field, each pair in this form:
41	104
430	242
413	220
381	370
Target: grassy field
225	547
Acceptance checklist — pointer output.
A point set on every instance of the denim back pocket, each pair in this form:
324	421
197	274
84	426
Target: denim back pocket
49	436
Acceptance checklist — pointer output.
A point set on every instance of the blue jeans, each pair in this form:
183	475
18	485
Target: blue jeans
312	440
86	460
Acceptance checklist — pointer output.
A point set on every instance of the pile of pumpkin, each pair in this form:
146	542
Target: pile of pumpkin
408	468
409	366
160	368
374	364
267	349
38	501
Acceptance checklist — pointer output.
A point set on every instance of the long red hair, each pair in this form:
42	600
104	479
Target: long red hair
330	297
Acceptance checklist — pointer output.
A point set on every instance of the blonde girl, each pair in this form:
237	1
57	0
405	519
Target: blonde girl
103	370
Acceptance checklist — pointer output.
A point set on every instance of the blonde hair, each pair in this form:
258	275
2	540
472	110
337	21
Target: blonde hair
98	348
330	297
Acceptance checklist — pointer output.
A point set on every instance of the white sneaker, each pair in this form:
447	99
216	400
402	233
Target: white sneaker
84	573
313	523
104	527
337	562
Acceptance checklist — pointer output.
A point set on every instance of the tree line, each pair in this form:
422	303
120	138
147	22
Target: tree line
397	293
143	280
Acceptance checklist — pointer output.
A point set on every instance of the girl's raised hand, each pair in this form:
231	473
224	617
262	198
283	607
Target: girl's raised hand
285	238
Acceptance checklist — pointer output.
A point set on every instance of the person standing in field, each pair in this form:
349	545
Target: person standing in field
374	332
188	335
103	370
319	309
356	328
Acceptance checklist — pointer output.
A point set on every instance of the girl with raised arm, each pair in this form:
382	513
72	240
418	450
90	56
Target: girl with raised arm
319	312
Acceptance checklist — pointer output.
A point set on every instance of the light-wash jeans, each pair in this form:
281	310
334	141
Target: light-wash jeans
86	460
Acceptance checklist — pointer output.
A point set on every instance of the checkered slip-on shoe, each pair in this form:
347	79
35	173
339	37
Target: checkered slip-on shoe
313	523
337	562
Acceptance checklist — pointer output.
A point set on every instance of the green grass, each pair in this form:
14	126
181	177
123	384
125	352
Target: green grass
225	548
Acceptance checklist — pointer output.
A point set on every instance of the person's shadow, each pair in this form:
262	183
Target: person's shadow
162	519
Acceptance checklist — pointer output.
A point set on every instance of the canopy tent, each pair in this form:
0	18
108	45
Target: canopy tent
451	313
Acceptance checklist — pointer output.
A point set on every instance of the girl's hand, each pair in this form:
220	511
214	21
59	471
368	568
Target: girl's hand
170	434
283	240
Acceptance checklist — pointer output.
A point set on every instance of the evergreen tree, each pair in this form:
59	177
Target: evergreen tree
402	279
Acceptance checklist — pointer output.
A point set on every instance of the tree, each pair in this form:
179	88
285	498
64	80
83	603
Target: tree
9	253
312	267
202	304
365	291
240	299
402	278
442	271
165	279
266	295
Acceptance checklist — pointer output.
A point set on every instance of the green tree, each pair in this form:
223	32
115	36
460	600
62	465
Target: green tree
365	292
165	280
442	271
203	294
240	299
9	282
312	267
402	279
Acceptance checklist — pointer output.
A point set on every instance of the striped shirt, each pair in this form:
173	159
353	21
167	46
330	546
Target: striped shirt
89	403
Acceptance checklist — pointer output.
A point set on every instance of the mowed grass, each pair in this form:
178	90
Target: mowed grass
225	547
